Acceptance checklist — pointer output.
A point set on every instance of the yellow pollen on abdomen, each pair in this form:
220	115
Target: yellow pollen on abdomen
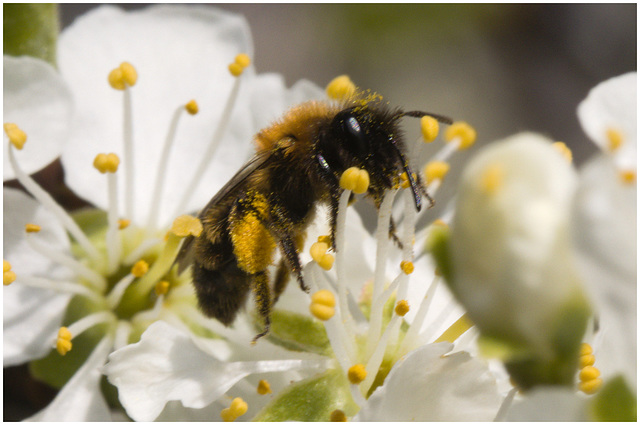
253	245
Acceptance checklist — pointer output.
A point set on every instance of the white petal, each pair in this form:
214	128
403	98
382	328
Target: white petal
613	105
426	385
31	316
180	53
81	398
604	230
167	365
549	404
37	100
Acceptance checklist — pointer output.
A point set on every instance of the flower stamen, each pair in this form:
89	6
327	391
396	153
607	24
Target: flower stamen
454	331
564	151
323	305
614	139
357	373
238	408
341	88
66	334
8	275
108	164
590	381
17	137
263	387
430	128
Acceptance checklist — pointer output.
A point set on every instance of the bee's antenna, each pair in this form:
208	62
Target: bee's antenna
420	114
407	169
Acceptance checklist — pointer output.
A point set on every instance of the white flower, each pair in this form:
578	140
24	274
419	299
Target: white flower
604	222
183	53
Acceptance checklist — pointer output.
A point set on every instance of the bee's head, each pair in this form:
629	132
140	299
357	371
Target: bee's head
369	137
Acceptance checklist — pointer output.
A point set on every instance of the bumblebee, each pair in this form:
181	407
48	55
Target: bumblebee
271	200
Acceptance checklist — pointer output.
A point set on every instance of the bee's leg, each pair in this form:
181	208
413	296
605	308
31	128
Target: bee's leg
262	295
333	216
423	190
281	280
392	233
291	256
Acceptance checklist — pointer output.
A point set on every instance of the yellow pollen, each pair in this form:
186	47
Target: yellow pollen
564	151
8	275
186	225
355	180
123	76
192	107
162	287
463	133
322	305
63	343
585	349
357	373
587	360
243	60
590	387
319	254
325	239
264	387
430	128
338	416
341	88
106	163
459	327
404	180
589	373
628	176
492	178
32	228
406	266
123	223
614	139
238	408
235	70
402	308
17	137
436	170
140	268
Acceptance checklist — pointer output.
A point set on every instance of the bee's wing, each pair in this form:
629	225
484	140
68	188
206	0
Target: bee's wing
260	160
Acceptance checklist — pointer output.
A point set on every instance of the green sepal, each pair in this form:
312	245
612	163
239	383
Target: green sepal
312	399
558	366
55	369
615	402
30	29
297	332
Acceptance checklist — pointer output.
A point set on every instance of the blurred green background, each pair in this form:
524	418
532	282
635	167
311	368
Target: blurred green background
503	68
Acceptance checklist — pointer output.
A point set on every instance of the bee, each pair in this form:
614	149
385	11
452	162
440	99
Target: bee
269	203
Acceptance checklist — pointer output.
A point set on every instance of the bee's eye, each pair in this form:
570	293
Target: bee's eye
355	138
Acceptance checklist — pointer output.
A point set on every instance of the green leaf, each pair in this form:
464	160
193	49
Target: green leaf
312	399
615	402
31	29
297	332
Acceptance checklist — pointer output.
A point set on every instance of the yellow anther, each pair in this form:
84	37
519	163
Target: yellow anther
590	387
325	239
338	416
341	88
326	262
8	275
587	360
16	136
357	373
106	163
162	287
140	268
404	180
614	139
235	70
436	170
628	176
439	222
585	349
123	223
589	373
454	331
564	151
492	178
264	387
430	128
192	107
243	60
32	228
402	308
318	250
355	180
238	408
123	76
63	343
463	133
407	267
322	305
186	225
